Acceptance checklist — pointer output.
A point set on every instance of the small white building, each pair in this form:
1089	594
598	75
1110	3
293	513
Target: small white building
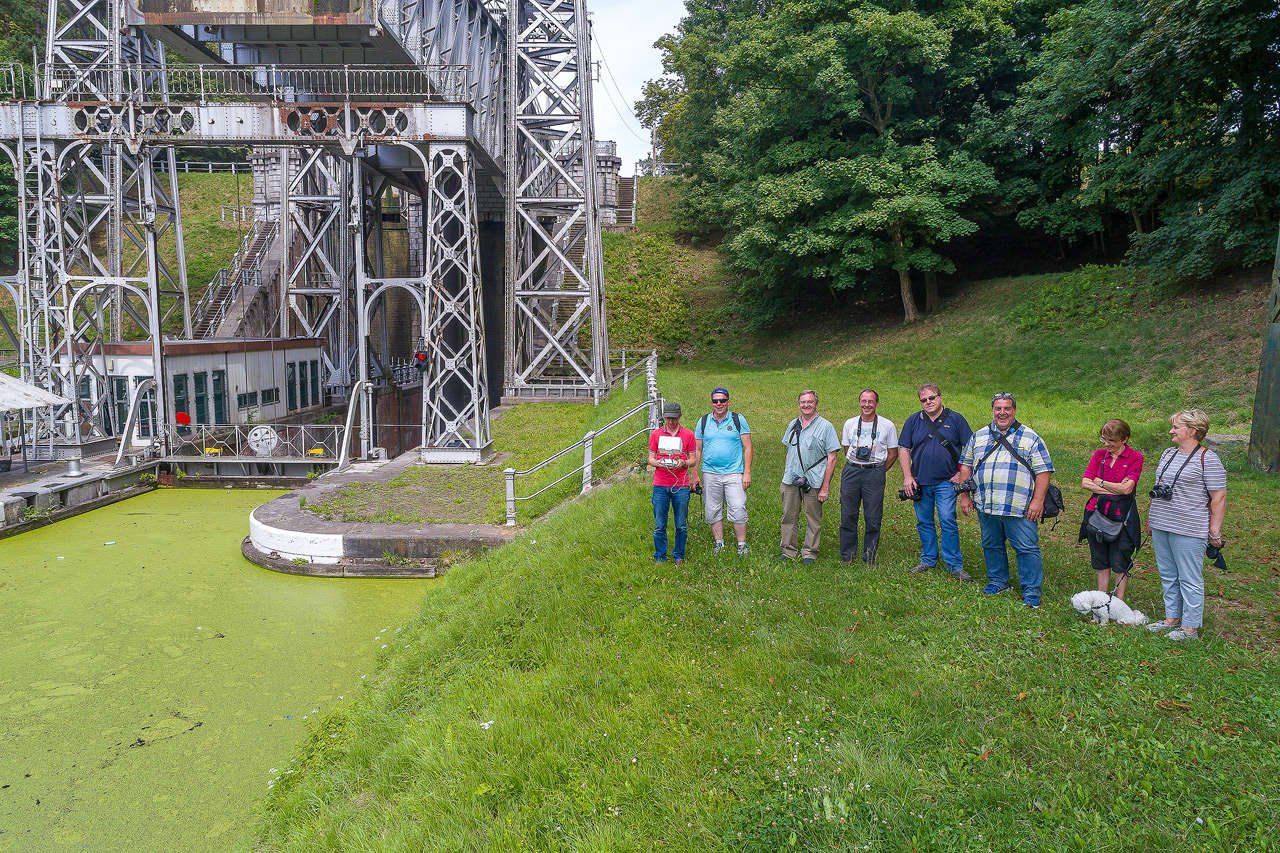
215	381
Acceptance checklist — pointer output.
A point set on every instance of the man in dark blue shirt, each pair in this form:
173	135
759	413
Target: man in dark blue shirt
929	448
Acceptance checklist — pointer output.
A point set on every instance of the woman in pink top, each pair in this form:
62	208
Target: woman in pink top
1112	476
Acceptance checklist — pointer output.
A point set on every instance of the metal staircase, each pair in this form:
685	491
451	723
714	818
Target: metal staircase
627	201
243	274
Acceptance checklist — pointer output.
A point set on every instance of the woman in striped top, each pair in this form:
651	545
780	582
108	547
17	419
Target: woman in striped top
1188	504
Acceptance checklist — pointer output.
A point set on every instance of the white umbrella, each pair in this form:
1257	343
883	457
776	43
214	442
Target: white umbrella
16	394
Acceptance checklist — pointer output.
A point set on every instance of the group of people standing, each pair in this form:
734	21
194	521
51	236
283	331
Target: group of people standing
1001	471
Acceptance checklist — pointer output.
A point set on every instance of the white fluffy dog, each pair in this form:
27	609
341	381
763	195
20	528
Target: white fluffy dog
1105	608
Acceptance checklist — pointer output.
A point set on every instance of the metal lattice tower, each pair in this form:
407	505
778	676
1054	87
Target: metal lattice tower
556	340
439	108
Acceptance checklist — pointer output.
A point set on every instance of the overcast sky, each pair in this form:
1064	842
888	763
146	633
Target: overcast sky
625	31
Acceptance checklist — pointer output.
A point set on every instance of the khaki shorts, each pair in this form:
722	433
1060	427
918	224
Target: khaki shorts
721	489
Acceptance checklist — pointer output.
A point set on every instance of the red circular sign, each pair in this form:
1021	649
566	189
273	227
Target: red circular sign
182	418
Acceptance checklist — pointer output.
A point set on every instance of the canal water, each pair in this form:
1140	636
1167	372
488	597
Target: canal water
151	677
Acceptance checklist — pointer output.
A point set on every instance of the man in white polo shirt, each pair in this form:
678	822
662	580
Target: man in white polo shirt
724	449
870	448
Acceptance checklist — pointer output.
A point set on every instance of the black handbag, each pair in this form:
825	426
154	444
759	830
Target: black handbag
1103	527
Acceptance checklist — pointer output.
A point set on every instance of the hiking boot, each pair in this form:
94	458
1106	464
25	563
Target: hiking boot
919	567
809	561
962	576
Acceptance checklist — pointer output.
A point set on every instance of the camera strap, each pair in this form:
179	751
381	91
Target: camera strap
875	431
1002	440
935	432
793	439
1164	469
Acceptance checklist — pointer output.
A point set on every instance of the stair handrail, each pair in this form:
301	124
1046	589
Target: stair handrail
243	262
652	404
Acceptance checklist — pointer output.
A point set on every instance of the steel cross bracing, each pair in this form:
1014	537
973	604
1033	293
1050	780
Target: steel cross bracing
91	215
556	341
109	113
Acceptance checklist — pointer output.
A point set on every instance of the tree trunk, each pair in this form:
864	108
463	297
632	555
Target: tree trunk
932	301
911	313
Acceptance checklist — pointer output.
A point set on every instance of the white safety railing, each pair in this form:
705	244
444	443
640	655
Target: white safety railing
624	364
652	405
235	212
288	84
320	443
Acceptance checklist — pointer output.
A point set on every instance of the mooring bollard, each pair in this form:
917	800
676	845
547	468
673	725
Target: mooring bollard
586	461
510	474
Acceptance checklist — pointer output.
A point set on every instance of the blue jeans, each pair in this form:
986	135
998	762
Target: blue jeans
1180	561
1023	535
676	498
943	497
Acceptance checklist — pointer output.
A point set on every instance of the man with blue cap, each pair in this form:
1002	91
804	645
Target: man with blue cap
724	449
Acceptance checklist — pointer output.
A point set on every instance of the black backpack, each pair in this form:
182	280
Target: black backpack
702	423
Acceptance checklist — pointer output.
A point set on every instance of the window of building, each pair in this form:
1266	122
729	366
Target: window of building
220	397
316	399
248	400
291	384
200	381
270	395
302	385
181	399
120	400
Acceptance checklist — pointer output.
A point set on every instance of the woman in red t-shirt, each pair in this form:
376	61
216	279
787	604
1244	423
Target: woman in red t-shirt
1112	476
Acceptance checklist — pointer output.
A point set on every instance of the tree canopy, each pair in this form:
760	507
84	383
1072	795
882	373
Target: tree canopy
842	144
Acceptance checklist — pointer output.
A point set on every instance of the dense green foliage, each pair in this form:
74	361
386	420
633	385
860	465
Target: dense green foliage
843	144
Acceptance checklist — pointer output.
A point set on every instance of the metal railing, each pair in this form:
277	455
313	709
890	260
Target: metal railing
621	372
245	274
214	83
15	82
652	405
236	212
320	443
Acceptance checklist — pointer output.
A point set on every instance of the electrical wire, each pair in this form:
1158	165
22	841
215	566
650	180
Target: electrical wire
618	89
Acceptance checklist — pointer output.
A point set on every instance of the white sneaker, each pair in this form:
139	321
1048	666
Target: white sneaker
1181	633
1161	625
742	549
719	549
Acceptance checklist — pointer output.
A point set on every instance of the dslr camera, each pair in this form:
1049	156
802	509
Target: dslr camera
1162	491
802	484
904	495
862	454
968	485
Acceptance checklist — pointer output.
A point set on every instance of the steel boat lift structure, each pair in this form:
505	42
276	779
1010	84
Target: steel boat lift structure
442	114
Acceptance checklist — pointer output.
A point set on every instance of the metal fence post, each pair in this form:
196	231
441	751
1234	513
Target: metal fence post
586	460
651	384
510	475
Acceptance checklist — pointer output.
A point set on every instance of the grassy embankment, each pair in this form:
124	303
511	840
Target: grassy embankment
564	693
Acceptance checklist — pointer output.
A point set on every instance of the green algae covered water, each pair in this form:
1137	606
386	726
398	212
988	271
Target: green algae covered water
151	677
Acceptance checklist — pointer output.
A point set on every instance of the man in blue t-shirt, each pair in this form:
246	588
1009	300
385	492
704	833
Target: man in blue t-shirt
929	448
723	439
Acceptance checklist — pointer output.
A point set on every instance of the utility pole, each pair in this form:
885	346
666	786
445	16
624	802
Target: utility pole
1264	440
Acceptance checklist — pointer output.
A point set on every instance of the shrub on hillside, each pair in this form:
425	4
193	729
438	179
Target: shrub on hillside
1089	297
644	292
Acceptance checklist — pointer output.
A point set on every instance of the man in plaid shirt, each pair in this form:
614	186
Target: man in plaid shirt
1009	498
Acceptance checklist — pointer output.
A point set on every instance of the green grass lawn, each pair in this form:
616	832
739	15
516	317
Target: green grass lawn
471	494
564	693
